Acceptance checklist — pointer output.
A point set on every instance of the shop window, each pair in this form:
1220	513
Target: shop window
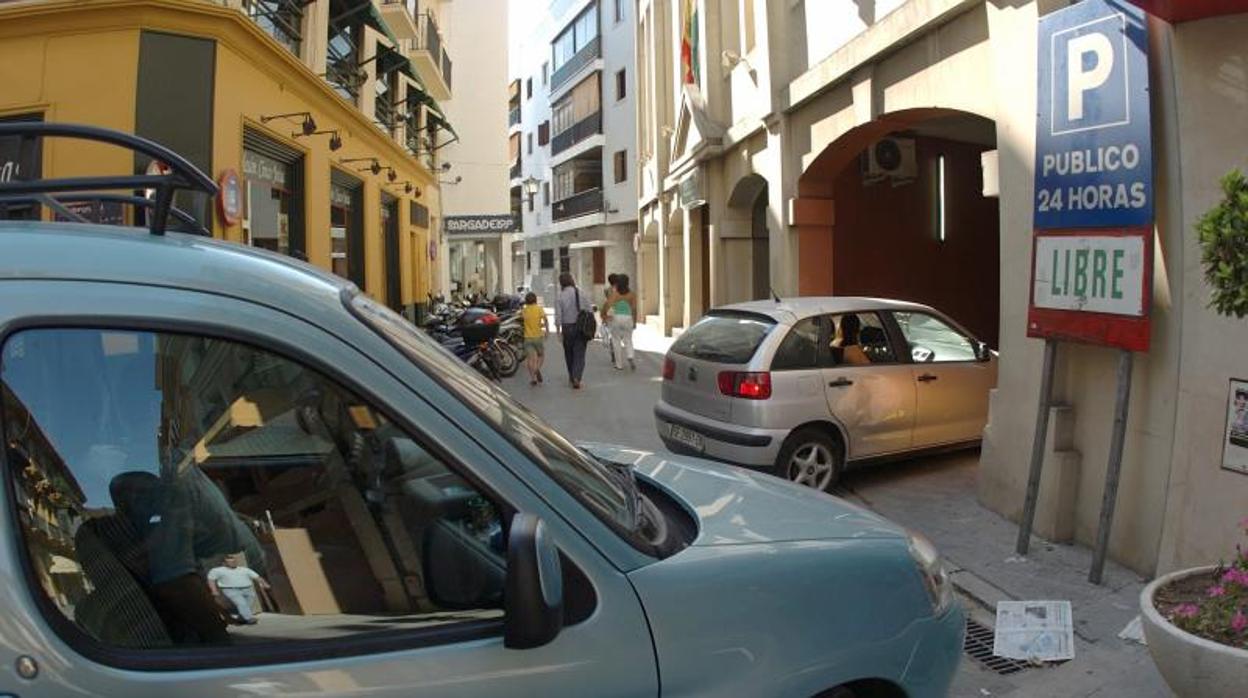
272	214
151	468
18	163
346	231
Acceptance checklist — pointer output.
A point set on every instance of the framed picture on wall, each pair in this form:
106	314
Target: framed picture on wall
1235	446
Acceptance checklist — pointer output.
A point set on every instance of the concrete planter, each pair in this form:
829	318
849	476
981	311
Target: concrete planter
1193	666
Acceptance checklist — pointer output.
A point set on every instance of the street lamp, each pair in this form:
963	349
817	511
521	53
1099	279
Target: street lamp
531	185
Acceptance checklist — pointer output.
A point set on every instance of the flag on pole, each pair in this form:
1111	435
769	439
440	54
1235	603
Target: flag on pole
689	69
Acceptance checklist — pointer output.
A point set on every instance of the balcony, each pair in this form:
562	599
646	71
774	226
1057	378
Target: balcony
582	58
281	19
513	117
579	204
433	63
401	16
589	126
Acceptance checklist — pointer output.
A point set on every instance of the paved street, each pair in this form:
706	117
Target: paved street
935	496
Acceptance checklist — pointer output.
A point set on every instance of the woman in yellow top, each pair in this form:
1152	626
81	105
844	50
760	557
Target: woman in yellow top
621	311
535	329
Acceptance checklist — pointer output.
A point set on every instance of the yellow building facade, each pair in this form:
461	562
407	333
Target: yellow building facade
317	107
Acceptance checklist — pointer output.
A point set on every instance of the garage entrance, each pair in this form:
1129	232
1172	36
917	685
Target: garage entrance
901	212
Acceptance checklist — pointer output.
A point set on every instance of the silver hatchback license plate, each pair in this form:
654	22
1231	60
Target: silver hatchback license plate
688	437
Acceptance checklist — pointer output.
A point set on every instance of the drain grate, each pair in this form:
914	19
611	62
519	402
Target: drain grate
978	646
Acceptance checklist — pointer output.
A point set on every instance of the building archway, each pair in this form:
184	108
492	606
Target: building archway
746	242
908	219
648	269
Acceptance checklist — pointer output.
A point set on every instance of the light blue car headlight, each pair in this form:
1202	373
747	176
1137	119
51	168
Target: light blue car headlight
932	569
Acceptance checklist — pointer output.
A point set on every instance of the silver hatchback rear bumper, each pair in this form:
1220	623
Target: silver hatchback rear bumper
721	440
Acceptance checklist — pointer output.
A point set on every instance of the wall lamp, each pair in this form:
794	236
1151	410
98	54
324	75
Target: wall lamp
408	188
335	140
309	124
391	175
457	180
375	168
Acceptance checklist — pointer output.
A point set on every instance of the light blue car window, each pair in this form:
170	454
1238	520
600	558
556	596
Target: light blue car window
181	490
598	486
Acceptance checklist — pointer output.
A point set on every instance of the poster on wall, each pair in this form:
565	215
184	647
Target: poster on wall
1235	447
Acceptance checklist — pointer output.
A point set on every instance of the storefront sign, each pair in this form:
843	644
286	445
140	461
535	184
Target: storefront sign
1094	164
1092	286
1235	447
257	166
230	198
690	191
492	224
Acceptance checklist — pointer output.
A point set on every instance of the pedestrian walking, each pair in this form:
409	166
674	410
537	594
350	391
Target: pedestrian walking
569	307
620	312
606	324
535	331
236	584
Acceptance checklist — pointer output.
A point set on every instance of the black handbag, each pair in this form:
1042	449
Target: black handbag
586	323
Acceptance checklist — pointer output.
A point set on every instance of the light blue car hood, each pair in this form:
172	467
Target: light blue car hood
735	506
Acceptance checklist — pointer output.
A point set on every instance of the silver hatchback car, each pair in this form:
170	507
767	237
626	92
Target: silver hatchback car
805	386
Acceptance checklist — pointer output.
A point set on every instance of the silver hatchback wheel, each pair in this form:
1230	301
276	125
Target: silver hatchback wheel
810	458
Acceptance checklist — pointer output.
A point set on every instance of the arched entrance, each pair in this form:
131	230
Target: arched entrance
895	208
648	269
746	242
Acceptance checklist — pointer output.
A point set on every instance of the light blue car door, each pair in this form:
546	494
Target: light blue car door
155	437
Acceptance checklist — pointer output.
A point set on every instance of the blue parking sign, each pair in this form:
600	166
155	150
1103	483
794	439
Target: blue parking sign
1094	166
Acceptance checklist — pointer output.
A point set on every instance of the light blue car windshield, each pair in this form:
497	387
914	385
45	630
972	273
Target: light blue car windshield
594	484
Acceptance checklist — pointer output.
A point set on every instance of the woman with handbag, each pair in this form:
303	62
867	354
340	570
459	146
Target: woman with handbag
620	314
574	318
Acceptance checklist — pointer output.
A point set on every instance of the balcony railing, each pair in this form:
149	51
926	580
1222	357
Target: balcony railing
589	126
513	117
429	39
580	204
575	63
384	113
515	170
281	19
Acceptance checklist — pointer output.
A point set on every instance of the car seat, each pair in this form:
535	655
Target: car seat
874	344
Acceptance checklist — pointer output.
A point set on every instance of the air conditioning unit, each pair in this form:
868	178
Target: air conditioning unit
892	158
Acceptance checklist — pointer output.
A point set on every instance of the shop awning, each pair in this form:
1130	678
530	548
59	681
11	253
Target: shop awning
590	244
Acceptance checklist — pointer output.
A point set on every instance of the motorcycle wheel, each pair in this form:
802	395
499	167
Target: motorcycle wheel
506	358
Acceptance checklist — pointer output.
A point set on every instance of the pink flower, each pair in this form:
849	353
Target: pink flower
1235	576
1188	610
1239	622
1243	523
1216	590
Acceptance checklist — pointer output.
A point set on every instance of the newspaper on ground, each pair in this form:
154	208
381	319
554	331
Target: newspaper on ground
1134	632
1034	631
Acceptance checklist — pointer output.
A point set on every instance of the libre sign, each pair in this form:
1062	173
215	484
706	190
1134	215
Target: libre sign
1093	217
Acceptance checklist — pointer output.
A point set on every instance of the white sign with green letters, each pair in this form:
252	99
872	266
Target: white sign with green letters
1090	273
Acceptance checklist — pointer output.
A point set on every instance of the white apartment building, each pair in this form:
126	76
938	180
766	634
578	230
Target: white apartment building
887	148
476	227
572	132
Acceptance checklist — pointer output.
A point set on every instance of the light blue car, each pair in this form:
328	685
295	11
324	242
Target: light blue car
228	473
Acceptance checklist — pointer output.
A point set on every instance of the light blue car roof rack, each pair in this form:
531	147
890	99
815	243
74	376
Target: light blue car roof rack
56	192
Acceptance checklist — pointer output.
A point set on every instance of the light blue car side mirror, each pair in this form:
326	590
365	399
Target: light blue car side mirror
533	600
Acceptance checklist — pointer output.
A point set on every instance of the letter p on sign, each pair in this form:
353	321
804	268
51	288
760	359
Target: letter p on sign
1090	76
1080	79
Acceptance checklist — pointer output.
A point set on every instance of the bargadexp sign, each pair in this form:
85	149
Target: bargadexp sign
479	225
1093	144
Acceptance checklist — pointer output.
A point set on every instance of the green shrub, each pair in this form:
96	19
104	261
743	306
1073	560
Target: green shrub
1223	234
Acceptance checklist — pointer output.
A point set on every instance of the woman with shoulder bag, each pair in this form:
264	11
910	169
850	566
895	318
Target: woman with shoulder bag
569	309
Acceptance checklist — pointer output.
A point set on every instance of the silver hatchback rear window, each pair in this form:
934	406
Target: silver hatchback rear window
725	337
